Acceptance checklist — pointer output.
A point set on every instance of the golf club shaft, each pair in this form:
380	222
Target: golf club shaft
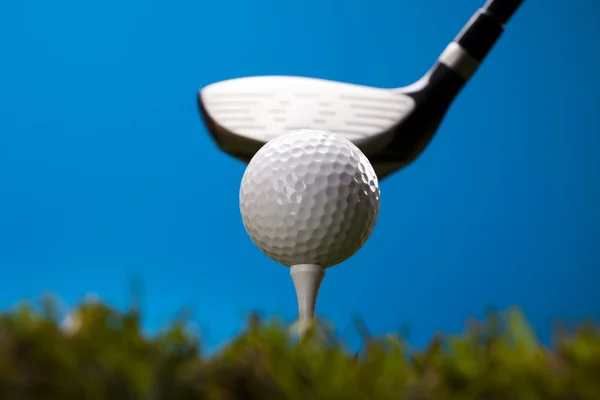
485	27
462	57
437	89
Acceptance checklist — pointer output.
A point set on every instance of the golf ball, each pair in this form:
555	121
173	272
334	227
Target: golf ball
309	197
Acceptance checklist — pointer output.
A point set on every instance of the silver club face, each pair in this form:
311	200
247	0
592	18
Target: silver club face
262	107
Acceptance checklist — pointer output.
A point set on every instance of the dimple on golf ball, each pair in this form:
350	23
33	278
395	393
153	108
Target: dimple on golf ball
309	197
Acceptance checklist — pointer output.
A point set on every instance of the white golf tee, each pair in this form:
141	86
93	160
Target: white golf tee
307	280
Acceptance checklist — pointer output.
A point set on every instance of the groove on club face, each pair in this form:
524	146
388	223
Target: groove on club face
391	126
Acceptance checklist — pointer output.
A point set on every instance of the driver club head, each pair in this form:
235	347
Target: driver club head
391	126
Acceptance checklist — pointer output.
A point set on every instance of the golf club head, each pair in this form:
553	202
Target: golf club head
391	126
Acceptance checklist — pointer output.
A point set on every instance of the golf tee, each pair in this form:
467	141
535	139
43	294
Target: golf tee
307	281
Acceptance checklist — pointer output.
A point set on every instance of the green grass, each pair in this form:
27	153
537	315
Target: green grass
106	356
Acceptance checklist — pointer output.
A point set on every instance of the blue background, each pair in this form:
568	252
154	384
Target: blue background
107	174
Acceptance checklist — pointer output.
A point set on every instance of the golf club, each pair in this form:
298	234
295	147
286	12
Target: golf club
391	126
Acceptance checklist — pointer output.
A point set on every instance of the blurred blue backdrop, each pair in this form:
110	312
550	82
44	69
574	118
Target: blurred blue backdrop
107	174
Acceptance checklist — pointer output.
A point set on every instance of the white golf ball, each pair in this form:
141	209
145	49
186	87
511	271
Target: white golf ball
309	197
